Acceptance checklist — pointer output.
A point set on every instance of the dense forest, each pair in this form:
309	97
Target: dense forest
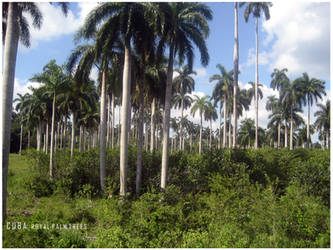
131	182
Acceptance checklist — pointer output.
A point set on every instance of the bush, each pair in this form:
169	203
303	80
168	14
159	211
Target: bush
40	186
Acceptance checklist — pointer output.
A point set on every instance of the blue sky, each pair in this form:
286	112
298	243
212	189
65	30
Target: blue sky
296	37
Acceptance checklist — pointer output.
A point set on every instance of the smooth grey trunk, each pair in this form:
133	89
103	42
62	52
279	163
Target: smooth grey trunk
140	140
147	137
28	138
65	128
112	121
256	85
166	119
47	137
220	134
126	98
102	152
327	140
80	139
21	137
84	140
291	129
279	135
108	121
73	133
225	121
39	135
308	127
229	131
286	135
52	136
152	125
210	134
119	125
235	75
200	139
10	52
61	134
44	142
181	125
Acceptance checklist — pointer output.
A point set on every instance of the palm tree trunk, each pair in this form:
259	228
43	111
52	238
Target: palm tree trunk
52	136
210	134
65	128
73	133
191	142
200	140
102	153
113	118
220	134
256	85
181	125
235	75
291	128
279	135
308	127
327	140
152	125
119	125
39	135
286	134
229	131
29	139
140	140
225	121
108	121
84	140
10	52
80	139
21	135
125	125
166	119
47	137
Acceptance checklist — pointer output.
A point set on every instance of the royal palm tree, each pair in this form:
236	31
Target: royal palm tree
246	134
236	55
255	8
222	92
323	119
200	105
186	24
21	107
210	115
15	28
276	117
291	96
279	78
54	80
252	90
312	90
183	85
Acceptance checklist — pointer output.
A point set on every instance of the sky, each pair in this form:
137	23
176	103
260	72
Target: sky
296	37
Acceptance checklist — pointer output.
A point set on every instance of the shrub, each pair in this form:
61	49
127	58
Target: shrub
40	186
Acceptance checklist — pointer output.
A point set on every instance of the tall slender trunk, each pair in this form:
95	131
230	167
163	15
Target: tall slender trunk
73	133
229	130
152	125
220	134
140	139
52	135
102	152
47	137
147	137
124	119
80	139
29	139
291	128
225	121
279	135
200	140
84	139
21	136
108	121
191	143
308	127
256	85
166	119
65	128
210	134
112	121
327	140
39	135
61	134
235	75
181	125
44	142
119	124
183	144
286	134
10	52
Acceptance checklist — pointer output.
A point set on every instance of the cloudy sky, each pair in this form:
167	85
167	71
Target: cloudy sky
297	37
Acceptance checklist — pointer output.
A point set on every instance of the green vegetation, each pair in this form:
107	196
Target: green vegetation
222	198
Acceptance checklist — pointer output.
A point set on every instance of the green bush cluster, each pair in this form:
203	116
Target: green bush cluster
223	198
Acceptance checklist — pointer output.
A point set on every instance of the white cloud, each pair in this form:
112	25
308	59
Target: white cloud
300	39
22	87
55	23
201	72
